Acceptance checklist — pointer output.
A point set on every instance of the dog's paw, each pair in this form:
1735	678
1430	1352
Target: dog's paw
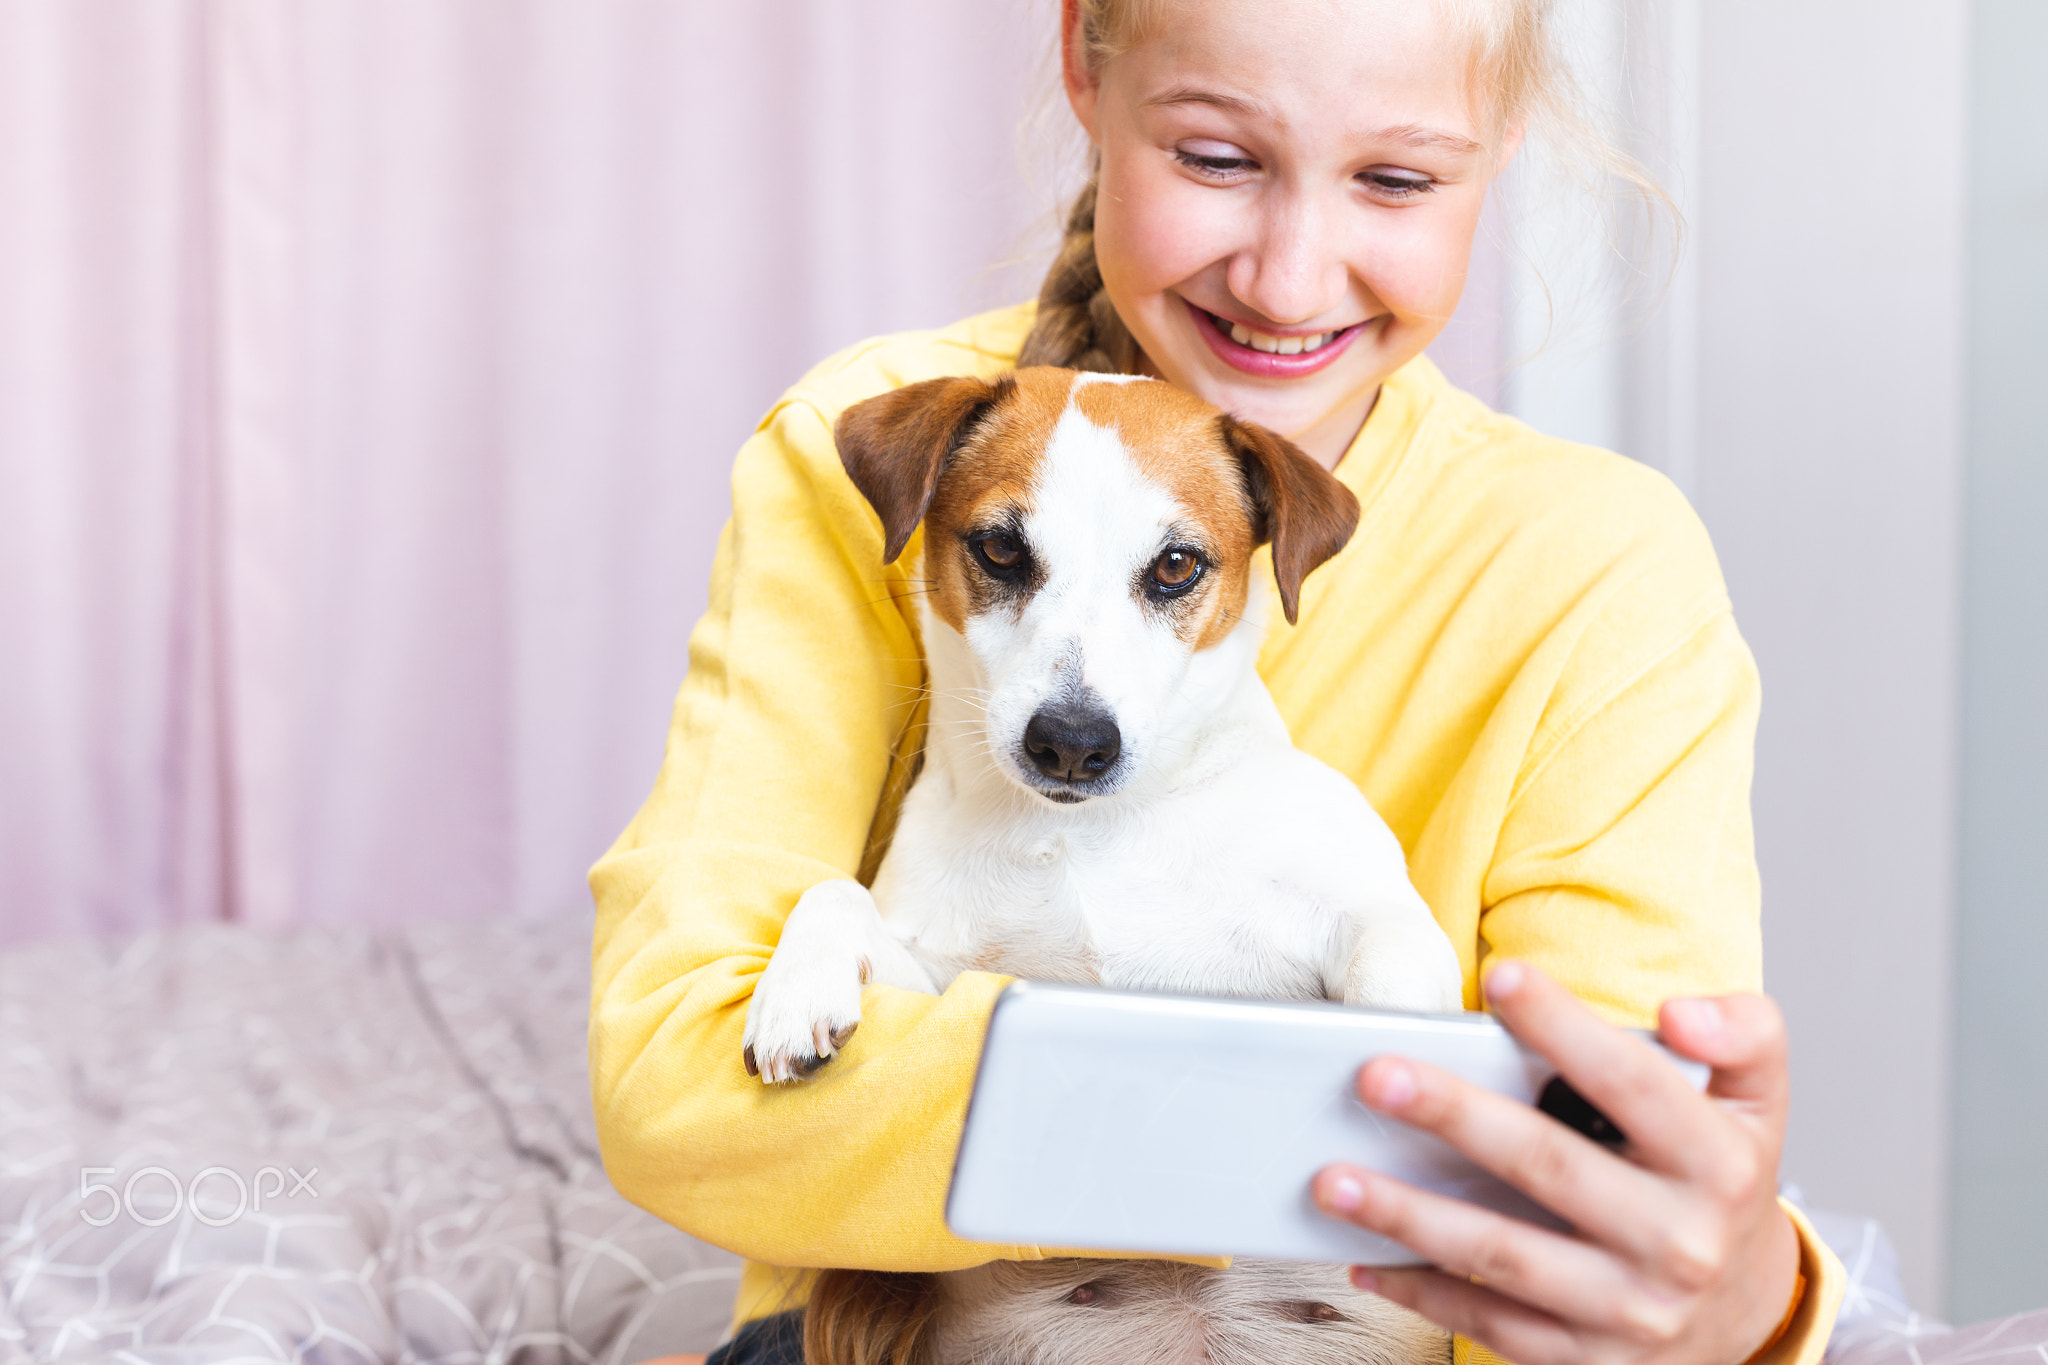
798	1020
807	1002
1409	971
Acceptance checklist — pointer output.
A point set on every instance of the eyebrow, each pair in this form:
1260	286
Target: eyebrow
1407	134
1414	135
1188	94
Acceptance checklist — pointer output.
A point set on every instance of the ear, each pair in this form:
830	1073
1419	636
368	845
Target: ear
1510	143
870	1317
1303	509
895	445
1082	84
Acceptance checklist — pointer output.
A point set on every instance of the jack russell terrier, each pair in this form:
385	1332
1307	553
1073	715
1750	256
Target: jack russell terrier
1108	795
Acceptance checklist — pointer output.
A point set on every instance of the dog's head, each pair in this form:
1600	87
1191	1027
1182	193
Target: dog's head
1130	1312
1090	538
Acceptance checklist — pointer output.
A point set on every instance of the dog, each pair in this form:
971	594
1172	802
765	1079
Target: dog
1108	795
1088	1312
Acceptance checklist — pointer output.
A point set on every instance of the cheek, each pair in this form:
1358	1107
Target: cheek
1415	261
947	588
1225	609
1153	229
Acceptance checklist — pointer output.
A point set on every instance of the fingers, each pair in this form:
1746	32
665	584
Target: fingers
1547	1274
1625	1078
1742	1037
1510	1329
1598	1193
1678	1234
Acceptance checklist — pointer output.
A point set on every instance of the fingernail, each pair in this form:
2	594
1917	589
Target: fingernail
1393	1086
1364	1281
1504	980
1344	1194
1698	1016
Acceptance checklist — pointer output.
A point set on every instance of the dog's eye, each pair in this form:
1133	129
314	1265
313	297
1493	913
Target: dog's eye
1176	570
1307	1310
1085	1294
1002	553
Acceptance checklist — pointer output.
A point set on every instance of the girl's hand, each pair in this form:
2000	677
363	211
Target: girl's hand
1682	1253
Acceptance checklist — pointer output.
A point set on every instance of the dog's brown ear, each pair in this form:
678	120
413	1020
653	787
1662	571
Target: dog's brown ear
870	1317
896	444
1303	509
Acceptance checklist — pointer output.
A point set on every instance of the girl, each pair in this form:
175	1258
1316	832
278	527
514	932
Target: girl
1525	659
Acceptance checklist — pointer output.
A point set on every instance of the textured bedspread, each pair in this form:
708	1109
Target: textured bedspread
223	1146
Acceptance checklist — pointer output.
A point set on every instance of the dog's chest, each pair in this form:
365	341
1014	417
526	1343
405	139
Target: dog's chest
1136	907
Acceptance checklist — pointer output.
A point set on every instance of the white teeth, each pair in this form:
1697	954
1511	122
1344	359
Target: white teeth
1272	345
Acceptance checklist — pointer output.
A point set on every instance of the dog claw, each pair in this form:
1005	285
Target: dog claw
775	1066
827	1040
782	1068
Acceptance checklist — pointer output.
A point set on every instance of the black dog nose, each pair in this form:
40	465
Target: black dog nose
1072	743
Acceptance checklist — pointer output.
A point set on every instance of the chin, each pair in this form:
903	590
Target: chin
1290	414
1289	407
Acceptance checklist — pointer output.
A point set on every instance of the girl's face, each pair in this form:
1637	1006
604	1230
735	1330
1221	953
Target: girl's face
1288	194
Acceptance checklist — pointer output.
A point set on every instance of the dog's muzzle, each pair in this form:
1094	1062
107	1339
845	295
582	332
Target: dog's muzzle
1074	746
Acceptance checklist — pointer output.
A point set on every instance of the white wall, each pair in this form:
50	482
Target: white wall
2000	1222
1830	237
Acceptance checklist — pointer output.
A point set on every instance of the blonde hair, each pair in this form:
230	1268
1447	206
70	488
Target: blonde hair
1518	79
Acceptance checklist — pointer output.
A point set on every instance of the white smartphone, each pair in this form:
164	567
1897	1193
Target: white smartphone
1110	1121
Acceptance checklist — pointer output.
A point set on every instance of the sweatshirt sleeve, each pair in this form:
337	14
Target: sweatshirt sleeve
803	676
1627	868
1625	865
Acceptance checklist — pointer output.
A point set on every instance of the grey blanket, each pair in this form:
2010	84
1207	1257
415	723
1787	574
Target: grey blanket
217	1145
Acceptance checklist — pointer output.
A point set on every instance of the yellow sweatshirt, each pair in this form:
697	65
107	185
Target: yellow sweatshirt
1525	658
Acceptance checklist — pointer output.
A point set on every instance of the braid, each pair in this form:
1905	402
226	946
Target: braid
1077	326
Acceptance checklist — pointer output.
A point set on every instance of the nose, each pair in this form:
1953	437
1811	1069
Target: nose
1072	743
1294	271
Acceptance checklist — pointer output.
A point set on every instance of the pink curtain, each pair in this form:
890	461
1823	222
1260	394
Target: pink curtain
369	374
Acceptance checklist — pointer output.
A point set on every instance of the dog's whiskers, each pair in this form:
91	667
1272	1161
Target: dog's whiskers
900	596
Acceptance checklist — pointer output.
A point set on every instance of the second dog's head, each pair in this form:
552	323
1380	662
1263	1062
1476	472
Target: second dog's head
1089	539
1070	1312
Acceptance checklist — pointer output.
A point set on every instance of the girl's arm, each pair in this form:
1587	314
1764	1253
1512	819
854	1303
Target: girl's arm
1625	865
804	675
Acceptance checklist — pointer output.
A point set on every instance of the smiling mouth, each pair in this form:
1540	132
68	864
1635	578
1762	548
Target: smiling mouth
1269	354
1275	345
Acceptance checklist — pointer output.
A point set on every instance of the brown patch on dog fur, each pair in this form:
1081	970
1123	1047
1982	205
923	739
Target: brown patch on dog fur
870	1317
1307	513
1250	481
1172	438
954	454
990	482
963	454
895	445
